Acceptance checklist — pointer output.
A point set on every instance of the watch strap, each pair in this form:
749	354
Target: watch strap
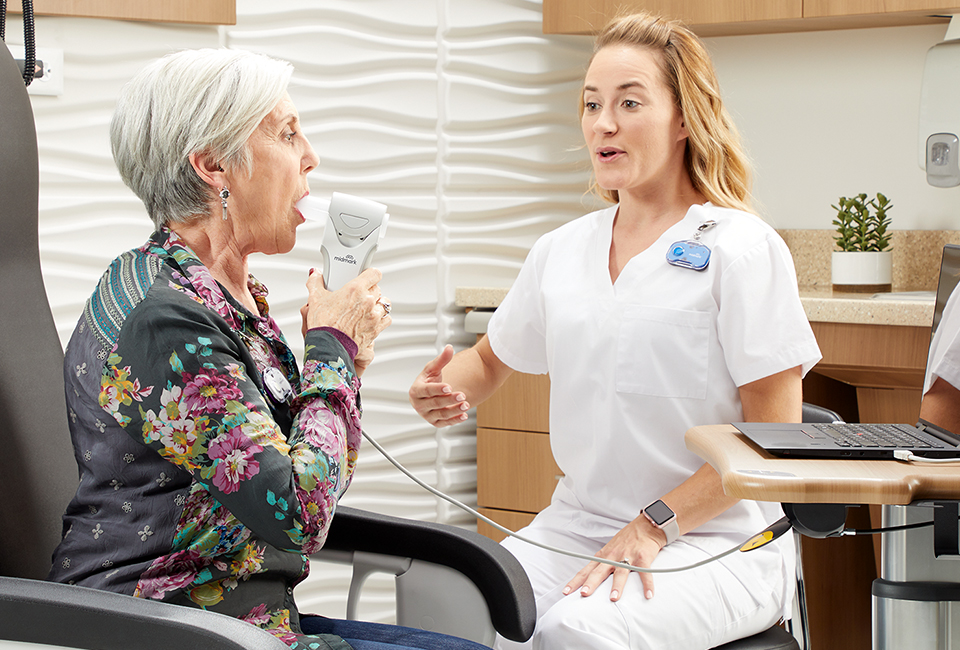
672	530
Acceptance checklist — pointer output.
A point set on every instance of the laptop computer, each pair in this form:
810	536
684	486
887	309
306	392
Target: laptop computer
874	441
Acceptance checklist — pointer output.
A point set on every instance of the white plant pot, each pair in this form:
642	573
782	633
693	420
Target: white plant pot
861	272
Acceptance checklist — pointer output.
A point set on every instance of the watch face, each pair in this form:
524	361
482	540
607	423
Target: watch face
659	512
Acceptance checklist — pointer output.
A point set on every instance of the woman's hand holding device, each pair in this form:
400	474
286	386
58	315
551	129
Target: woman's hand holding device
358	309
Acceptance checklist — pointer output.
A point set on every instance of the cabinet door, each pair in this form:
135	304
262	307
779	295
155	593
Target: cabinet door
873	356
883	364
588	16
212	12
823	8
507	518
515	470
522	403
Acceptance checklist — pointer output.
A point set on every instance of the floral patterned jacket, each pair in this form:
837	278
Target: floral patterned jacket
210	466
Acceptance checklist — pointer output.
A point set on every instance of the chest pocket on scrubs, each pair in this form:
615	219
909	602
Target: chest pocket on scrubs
663	352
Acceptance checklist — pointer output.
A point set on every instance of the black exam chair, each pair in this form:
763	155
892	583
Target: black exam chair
777	638
38	477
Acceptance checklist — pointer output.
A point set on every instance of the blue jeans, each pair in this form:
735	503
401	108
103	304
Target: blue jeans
376	636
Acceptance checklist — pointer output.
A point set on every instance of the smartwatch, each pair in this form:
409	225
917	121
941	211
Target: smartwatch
661	516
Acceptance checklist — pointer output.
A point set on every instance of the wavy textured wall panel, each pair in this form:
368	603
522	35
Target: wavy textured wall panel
460	115
87	215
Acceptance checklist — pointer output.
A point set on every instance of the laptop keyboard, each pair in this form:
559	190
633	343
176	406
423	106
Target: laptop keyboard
872	435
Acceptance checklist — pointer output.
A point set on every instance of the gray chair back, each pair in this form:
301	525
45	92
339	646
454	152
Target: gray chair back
813	413
38	474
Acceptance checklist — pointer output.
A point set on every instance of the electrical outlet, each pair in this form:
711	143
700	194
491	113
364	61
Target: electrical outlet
51	83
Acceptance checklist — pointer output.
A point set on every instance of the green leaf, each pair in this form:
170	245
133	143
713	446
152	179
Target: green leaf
862	223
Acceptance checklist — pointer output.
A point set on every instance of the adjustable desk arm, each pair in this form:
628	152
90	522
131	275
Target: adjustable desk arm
818	520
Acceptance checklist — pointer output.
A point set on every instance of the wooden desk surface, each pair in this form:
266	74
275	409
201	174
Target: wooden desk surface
747	472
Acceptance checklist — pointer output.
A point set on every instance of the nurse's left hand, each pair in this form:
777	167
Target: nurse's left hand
638	543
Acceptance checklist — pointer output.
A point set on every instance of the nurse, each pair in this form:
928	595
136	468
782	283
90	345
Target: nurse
941	386
672	308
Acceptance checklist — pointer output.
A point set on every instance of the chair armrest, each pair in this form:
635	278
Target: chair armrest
56	614
492	568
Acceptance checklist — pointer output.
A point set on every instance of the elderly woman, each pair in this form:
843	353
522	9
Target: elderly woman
211	464
673	307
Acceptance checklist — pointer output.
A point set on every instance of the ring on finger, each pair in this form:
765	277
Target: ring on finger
386	306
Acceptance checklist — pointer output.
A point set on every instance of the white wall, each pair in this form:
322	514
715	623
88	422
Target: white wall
830	114
461	116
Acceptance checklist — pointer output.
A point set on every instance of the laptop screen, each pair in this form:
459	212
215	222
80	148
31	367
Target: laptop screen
949	278
945	304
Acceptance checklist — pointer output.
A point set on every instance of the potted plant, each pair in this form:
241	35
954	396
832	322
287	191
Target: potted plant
863	263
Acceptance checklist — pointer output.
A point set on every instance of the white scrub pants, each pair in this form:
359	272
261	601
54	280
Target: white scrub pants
691	610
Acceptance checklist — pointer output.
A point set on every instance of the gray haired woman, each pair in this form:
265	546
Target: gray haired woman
211	462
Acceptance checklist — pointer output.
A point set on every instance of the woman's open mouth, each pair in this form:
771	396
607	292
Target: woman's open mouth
608	153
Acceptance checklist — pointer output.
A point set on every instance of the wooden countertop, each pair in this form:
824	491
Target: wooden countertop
821	306
747	472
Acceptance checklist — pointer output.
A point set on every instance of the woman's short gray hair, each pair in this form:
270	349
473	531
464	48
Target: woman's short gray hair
195	101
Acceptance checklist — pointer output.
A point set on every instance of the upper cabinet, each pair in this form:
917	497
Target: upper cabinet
838	8
727	17
205	12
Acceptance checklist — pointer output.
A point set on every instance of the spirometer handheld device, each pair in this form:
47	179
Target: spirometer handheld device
354	227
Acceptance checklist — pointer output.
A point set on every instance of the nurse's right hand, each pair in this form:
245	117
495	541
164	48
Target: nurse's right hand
434	400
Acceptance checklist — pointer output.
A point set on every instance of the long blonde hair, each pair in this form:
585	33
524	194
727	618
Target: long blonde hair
714	158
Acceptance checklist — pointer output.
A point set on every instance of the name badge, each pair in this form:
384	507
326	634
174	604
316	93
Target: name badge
691	253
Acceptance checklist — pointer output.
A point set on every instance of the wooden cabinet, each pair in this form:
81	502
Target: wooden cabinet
820	8
516	473
588	16
877	370
727	17
207	12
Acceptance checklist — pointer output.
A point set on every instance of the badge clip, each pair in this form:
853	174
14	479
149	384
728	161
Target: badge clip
277	385
691	254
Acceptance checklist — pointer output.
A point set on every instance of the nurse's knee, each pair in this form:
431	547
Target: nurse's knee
578	622
556	629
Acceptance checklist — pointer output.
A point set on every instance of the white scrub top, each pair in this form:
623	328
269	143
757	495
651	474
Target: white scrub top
943	360
635	364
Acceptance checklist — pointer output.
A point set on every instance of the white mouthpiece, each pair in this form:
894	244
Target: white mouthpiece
314	208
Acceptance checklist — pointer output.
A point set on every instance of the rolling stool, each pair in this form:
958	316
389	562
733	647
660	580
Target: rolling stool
774	638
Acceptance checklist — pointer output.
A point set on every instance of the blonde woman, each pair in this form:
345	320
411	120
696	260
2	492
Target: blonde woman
672	308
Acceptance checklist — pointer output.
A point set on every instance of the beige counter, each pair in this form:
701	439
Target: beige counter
821	306
913	309
480	297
